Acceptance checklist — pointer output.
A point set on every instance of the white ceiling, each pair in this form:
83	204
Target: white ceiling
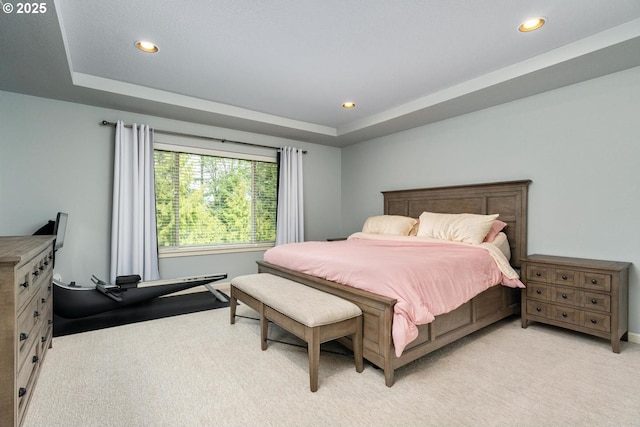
284	67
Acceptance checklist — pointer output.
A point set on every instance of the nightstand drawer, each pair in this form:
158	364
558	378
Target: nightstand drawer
600	302
596	281
536	308
600	322
565	277
538	273
570	296
565	314
539	292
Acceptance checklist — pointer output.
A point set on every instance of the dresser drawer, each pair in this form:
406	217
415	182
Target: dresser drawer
32	275
24	284
45	295
27	329
571	296
45	330
26	377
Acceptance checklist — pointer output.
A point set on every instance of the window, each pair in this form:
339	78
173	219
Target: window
212	200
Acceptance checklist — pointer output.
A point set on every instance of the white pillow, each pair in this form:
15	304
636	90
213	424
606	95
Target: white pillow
389	224
468	228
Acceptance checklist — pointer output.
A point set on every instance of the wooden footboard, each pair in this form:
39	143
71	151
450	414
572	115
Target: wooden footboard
492	305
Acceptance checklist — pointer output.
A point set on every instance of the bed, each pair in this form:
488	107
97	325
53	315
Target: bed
509	199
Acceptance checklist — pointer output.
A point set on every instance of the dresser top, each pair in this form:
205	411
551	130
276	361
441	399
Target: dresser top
16	249
577	262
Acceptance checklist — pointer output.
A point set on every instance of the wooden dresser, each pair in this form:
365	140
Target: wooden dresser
26	320
585	295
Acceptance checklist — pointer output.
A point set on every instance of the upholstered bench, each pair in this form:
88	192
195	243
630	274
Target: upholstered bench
312	315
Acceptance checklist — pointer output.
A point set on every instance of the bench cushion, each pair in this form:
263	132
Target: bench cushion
302	303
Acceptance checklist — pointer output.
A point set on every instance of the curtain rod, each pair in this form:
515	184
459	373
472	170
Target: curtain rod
210	138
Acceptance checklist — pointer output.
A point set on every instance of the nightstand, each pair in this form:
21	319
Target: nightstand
584	295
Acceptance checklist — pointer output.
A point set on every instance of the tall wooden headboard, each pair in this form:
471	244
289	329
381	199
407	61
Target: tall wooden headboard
509	199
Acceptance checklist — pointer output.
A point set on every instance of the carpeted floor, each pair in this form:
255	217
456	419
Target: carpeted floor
198	370
156	308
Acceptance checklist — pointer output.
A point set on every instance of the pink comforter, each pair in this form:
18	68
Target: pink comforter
426	278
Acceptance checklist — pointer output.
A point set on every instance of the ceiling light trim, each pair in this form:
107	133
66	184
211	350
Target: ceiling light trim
146	46
532	24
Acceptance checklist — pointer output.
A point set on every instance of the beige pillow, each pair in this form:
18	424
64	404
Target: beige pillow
389	224
468	228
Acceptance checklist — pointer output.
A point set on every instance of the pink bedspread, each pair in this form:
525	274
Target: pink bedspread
426	278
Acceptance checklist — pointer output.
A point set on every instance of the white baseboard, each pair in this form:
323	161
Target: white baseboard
634	338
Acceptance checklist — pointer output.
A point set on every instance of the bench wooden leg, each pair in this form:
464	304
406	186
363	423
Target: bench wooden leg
313	348
264	328
357	345
233	302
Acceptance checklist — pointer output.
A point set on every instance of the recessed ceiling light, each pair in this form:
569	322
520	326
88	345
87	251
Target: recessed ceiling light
146	46
349	105
531	24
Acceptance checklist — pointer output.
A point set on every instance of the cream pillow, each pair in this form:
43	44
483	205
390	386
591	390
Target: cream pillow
468	228
502	243
389	224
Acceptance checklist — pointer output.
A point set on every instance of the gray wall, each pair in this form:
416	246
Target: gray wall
55	157
580	145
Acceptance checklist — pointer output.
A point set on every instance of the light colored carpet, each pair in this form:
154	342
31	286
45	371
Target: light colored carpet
198	370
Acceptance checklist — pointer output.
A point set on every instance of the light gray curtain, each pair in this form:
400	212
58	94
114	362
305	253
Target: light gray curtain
290	220
134	243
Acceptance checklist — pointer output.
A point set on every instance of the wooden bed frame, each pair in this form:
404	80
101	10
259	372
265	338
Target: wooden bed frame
509	199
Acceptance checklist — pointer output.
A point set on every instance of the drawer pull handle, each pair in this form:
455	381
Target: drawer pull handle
46	263
23	336
22	391
538	274
538	309
49	322
538	291
36	313
594	321
35	273
564	314
41	268
563	296
43	339
35	359
43	300
594	281
25	285
564	277
594	301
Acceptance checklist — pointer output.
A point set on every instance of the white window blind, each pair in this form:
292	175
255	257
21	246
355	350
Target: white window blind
209	199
